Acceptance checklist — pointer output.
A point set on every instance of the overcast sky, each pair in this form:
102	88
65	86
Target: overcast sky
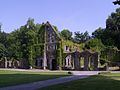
75	15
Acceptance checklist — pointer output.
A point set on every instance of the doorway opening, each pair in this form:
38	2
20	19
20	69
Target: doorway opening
54	64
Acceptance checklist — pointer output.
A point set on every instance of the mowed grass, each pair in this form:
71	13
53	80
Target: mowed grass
98	82
10	78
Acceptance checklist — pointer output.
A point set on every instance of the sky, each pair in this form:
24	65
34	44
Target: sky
74	15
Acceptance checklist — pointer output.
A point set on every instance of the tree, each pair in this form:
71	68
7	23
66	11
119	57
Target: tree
26	40
66	34
113	21
0	27
81	37
98	33
110	36
95	44
3	38
3	51
113	28
116	2
107	55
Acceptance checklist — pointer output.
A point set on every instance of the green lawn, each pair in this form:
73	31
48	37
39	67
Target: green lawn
98	82
9	78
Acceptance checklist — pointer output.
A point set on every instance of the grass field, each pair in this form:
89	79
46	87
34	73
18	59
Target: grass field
9	78
98	82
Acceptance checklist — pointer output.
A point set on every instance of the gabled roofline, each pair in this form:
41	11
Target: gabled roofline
47	23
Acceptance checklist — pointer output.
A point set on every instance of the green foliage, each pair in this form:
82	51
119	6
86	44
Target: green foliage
95	44
3	51
55	27
3	45
66	34
26	43
116	57
40	34
72	44
102	61
98	33
108	53
3	38
110	36
26	38
81	37
0	27
116	2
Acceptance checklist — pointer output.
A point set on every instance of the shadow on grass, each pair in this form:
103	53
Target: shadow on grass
97	82
16	79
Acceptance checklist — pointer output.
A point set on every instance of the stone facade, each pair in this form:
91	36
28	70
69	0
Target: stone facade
9	64
48	60
90	60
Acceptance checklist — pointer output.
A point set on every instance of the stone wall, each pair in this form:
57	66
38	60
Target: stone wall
9	64
90	60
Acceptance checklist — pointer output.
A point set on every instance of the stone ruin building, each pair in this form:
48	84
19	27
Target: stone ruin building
52	45
72	60
58	56
48	60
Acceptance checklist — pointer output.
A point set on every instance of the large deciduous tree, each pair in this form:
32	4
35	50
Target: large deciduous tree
81	37
95	44
26	37
113	28
110	36
66	34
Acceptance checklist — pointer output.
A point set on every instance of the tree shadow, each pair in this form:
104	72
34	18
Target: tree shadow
18	78
97	82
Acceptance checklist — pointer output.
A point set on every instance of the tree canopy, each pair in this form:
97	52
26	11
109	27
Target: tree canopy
81	37
66	34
